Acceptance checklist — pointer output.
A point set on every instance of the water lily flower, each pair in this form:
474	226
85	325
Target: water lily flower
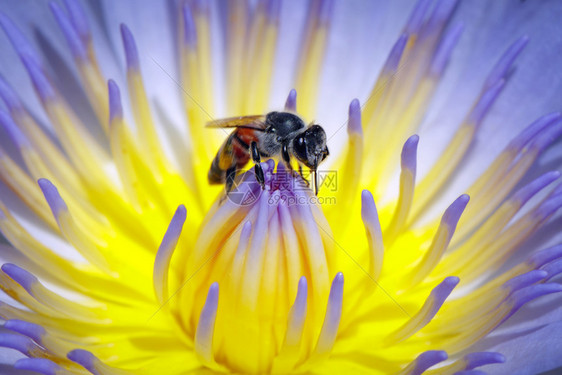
121	258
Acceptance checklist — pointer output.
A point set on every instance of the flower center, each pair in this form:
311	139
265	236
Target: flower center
266	252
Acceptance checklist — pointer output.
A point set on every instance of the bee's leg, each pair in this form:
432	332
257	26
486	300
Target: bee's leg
257	159
302	176
230	176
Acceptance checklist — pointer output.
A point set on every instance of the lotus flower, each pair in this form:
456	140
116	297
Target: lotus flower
122	259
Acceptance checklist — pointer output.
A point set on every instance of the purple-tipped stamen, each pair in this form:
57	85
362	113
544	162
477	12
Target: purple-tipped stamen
442	12
485	103
164	254
17	136
24	278
9	96
291	102
444	51
189	29
528	191
85	359
504	64
333	315
115	107
479	359
470	372
533	130
41	83
417	16
31	330
525	295
542	257
391	64
131	51
79	20
552	269
272	10
453	213
545	138
426	360
354	121
20	343
56	203
297	315
325	11
409	154
206	325
525	280
40	365
548	208
20	43
70	34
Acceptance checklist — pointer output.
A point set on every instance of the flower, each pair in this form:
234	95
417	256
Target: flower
125	259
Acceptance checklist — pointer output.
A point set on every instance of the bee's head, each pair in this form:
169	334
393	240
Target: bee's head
310	148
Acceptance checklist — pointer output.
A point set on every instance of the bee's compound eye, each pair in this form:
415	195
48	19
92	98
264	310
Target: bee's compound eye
299	148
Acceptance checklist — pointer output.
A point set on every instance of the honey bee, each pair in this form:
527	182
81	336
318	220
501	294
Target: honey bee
271	135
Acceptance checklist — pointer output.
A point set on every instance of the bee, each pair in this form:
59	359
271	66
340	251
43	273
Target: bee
274	134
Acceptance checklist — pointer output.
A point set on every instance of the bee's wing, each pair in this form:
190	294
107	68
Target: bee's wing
253	122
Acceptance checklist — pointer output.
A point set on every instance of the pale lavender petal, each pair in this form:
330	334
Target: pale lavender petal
478	359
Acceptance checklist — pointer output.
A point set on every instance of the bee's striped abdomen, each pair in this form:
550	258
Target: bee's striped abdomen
233	153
